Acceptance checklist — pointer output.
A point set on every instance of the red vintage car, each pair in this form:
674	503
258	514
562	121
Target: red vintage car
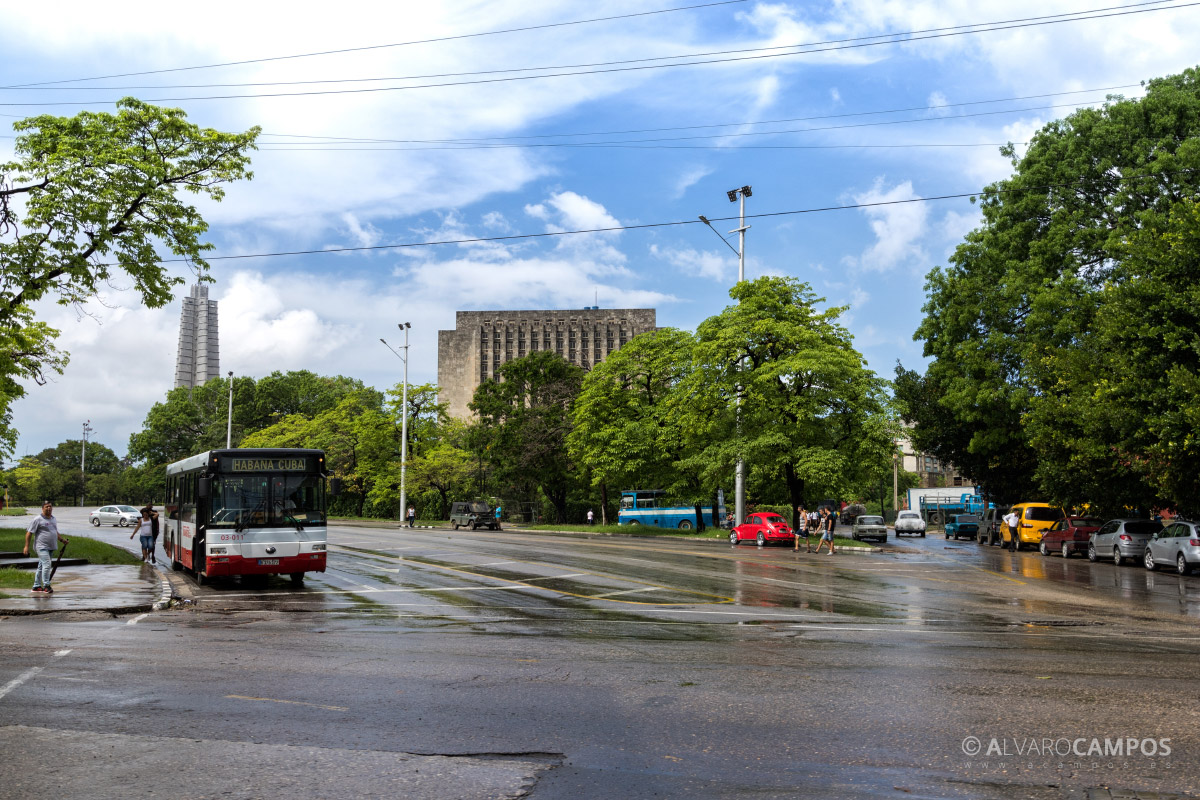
763	527
1069	535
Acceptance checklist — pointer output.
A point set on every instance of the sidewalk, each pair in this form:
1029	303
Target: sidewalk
116	589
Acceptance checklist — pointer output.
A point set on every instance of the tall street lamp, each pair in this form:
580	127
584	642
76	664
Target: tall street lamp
404	326
229	418
734	195
87	428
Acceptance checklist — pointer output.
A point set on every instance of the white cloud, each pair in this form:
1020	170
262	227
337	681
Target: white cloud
938	102
696	263
689	178
898	226
835	95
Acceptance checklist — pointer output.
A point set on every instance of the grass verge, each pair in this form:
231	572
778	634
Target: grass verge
96	552
13	511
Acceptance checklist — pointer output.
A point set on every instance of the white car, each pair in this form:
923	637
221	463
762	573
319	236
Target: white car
115	515
910	522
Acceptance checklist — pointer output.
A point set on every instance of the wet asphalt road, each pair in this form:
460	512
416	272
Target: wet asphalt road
511	664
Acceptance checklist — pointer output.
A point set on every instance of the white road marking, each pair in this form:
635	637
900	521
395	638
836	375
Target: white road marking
137	619
26	675
497	563
627	591
553	577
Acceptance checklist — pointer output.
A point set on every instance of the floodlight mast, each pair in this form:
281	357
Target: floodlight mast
739	488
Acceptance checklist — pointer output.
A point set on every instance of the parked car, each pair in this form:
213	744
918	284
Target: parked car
910	523
115	515
1069	535
1122	540
763	527
989	526
473	515
867	526
1033	519
962	525
1178	545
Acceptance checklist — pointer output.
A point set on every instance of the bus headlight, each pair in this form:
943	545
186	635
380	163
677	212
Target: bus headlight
317	547
217	551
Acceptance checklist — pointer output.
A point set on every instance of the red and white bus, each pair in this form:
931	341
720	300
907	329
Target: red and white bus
252	511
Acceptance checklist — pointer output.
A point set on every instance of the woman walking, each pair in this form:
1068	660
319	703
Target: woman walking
145	530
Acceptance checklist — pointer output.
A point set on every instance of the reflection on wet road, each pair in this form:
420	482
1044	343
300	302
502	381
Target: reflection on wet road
512	578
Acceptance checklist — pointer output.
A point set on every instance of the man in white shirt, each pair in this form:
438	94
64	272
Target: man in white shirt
1010	519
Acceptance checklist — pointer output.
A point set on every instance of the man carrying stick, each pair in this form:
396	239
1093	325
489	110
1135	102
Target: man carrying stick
44	532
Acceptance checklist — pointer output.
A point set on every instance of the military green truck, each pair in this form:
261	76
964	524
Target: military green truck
473	514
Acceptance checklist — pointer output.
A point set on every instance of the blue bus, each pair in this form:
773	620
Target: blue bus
645	507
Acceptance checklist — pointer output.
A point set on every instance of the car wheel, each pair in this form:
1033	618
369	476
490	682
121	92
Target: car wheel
1118	560
454	525
95	522
922	534
1043	549
1066	551
124	523
1181	565
474	526
1092	554
1148	560
761	539
685	525
733	538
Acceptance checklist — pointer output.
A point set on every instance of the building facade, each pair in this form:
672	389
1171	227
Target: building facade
484	340
199	355
932	472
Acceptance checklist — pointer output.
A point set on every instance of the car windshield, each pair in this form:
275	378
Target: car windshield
968	518
907	515
127	508
870	520
1042	514
1143	526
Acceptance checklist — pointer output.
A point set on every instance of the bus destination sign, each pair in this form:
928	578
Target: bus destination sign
267	464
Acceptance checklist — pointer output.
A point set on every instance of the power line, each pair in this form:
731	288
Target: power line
1065	17
473	140
635	143
650	225
979	28
384	46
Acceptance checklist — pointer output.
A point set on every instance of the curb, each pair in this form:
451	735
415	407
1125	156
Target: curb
113	610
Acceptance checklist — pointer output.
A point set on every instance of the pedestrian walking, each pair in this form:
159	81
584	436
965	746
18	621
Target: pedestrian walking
45	536
825	530
144	530
802	529
412	516
153	532
591	517
497	517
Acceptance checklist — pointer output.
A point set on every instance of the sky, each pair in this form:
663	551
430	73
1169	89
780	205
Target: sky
410	123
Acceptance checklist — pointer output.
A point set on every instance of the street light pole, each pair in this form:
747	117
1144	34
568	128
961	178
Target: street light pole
229	419
739	484
87	428
895	481
404	326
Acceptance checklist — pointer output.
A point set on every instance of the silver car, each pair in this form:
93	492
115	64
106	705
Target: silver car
1122	540
1177	545
115	515
869	527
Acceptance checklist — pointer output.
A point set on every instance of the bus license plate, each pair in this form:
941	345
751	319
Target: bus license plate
268	562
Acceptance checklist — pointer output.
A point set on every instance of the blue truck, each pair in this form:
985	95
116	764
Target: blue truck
646	507
940	507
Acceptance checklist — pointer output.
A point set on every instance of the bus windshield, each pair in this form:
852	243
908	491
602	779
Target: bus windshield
256	500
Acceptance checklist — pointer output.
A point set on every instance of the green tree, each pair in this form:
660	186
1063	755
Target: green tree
624	428
281	394
92	196
1074	244
189	421
812	417
525	418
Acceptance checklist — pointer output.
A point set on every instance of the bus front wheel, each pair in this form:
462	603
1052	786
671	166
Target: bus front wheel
297	578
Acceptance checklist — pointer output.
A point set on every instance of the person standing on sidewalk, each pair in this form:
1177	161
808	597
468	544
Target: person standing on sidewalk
591	517
153	532
412	516
44	532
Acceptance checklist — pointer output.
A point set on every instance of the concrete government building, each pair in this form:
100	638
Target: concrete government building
483	340
199	356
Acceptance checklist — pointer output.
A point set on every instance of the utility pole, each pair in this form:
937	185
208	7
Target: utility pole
229	419
404	326
87	428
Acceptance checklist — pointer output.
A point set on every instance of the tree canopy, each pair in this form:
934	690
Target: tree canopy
1063	332
88	198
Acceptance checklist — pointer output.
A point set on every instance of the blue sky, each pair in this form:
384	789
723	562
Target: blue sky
326	312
